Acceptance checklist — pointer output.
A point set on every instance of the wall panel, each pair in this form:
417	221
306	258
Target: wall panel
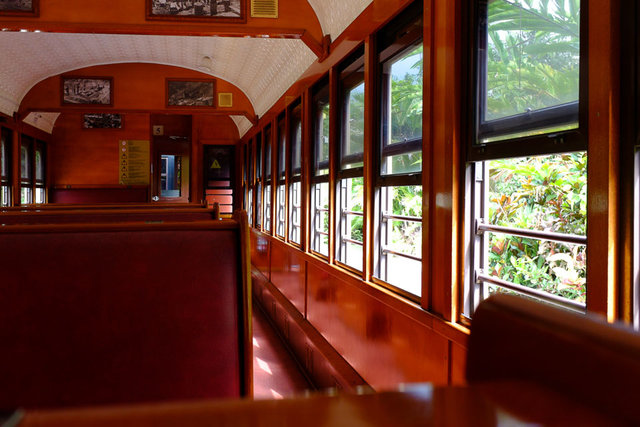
288	274
383	345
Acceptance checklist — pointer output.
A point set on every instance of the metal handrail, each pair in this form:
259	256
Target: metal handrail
348	212
554	299
349	240
390	251
481	227
401	217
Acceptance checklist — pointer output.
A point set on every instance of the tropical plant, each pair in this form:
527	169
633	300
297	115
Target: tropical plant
533	55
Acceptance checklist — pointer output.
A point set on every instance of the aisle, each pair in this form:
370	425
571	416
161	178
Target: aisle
275	373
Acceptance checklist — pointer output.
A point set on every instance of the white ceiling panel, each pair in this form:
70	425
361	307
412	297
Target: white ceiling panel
263	68
336	15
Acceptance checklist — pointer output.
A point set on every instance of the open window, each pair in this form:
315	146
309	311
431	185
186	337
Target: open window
295	172
526	175
26	170
40	162
6	141
258	181
350	182
268	183
398	187
320	170
281	177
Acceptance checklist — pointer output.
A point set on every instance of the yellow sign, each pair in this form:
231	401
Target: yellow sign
215	164
134	162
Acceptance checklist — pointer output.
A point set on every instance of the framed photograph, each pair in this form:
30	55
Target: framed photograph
87	90
102	121
191	93
19	7
198	10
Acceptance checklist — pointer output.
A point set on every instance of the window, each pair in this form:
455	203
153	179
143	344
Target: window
320	175
266	225
529	64
26	170
6	140
248	181
281	178
40	165
527	164
295	172
398	209
258	180
350	217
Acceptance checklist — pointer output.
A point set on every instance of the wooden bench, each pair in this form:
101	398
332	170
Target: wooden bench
102	206
578	357
120	313
59	216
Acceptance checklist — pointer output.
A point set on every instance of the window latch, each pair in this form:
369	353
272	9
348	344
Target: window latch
479	231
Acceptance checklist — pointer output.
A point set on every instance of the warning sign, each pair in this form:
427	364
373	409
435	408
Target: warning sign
215	164
134	162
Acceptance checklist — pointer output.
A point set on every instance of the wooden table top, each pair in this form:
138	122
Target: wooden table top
421	404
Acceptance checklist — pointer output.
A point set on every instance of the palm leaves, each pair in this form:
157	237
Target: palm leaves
533	55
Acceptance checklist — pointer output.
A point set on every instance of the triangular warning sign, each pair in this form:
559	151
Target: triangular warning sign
215	164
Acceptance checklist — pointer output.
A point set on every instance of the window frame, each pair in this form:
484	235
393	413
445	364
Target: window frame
40	185
267	190
294	175
477	153
351	75
27	182
6	180
280	217
399	37
320	95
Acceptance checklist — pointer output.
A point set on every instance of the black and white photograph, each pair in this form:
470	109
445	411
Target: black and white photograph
190	93
87	90
199	9
18	7
101	121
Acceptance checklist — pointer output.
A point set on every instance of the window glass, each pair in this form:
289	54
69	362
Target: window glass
39	165
530	68
321	142
4	158
25	162
353	131
259	156
402	115
282	146
296	141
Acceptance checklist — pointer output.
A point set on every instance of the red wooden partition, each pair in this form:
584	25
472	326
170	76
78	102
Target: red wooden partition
59	216
118	313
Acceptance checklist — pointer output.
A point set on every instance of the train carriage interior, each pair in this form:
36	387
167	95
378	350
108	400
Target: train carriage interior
319	212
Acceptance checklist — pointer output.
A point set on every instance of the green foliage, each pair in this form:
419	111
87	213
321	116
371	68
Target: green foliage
533	55
542	193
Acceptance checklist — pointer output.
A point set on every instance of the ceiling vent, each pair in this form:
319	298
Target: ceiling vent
225	99
264	8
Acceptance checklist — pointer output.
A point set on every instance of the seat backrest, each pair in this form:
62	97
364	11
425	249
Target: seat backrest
581	356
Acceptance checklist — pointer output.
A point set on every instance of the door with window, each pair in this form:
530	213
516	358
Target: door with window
172	178
218	176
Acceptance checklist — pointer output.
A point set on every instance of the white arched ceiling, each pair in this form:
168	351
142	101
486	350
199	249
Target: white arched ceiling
263	68
242	123
336	15
42	120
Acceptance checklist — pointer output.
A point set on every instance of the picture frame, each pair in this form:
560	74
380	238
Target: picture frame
104	121
25	8
190	93
228	11
83	90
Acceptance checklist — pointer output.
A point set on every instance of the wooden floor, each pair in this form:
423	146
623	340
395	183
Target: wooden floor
275	373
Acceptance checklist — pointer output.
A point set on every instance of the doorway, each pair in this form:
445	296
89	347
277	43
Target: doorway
171	157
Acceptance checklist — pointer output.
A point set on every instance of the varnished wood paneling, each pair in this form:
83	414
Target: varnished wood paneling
458	364
382	344
260	252
90	156
288	274
135	87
